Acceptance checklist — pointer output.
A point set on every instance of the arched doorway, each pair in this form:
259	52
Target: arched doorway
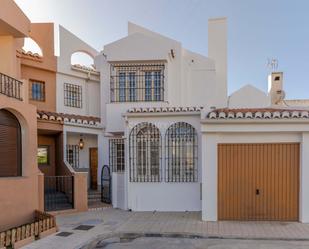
10	145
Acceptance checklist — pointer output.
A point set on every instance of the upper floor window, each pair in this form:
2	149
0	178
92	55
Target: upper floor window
72	95
137	82
37	90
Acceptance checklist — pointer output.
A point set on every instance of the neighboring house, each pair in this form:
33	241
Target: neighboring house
78	93
20	179
154	150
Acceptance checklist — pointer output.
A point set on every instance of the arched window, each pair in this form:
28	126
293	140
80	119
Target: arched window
31	46
181	153
10	145
145	153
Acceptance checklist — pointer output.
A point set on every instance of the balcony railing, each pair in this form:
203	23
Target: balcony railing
10	87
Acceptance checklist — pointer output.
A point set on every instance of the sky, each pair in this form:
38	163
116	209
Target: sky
257	30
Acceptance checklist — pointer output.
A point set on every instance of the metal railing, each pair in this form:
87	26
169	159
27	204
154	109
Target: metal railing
58	192
137	82
10	87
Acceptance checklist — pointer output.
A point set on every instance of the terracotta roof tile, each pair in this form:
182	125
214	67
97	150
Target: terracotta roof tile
257	113
62	117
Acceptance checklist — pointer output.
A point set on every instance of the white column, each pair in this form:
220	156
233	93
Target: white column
304	180
209	177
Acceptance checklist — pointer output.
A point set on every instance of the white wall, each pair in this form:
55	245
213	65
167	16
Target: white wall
90	96
190	78
248	97
90	142
213	134
164	196
90	82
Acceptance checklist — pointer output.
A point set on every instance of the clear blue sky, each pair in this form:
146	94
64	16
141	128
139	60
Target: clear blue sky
257	30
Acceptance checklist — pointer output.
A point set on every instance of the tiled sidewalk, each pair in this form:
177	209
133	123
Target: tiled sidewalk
190	223
108	222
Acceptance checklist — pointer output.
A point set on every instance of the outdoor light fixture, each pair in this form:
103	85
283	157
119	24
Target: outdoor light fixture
81	143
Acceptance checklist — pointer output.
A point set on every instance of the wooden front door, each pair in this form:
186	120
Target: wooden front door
258	181
93	153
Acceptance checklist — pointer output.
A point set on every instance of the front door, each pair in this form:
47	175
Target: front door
93	152
258	181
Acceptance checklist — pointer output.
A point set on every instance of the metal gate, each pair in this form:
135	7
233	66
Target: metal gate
106	181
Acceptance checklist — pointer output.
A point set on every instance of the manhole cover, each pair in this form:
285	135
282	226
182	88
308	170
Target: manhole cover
64	234
83	227
93	222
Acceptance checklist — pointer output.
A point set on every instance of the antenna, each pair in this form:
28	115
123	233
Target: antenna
272	64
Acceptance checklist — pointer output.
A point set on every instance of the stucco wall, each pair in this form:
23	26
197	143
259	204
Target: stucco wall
90	96
19	196
190	79
33	73
163	196
89	81
248	97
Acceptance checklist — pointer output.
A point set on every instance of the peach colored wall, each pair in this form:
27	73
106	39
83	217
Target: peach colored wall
45	68
9	62
32	73
12	20
48	140
19	196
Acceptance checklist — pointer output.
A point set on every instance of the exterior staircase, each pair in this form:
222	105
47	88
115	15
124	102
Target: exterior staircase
94	199
56	200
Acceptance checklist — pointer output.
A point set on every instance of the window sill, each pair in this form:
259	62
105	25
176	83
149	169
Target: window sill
11	178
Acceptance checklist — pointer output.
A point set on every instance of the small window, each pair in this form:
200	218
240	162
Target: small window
37	90
116	154
73	155
43	155
72	95
277	78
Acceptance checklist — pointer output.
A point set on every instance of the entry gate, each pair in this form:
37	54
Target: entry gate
106	181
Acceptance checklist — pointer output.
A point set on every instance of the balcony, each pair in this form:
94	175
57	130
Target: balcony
10	87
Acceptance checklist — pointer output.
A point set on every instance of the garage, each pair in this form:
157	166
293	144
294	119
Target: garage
258	181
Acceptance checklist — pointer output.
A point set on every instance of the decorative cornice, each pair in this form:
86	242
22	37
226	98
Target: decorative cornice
257	113
68	118
163	109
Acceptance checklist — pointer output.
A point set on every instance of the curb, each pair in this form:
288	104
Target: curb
131	236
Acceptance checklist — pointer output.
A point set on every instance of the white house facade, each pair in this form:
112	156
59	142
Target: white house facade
78	97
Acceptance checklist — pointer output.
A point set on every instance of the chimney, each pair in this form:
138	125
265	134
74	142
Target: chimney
275	87
217	50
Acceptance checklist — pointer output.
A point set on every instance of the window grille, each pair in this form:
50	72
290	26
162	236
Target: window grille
72	95
137	82
181	153
37	90
145	153
116	154
73	155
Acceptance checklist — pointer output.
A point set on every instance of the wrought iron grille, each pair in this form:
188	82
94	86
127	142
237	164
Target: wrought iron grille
145	153
72	95
181	153
37	90
73	155
58	192
10	86
137	82
116	154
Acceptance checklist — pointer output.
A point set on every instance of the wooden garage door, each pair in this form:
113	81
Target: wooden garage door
258	181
